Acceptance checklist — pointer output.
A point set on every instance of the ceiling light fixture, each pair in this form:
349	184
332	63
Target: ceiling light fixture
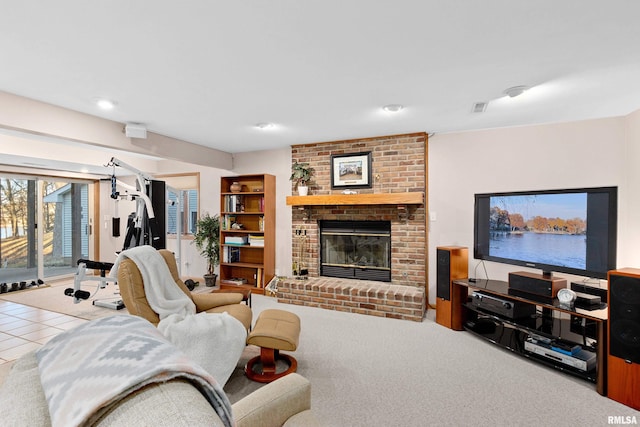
105	104
264	126
393	108
512	92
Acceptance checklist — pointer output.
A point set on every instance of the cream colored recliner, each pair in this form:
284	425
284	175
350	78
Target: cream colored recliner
132	291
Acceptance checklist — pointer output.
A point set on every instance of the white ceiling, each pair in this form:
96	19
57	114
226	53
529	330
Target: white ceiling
207	71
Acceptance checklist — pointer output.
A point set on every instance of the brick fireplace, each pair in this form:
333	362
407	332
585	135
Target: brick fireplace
397	196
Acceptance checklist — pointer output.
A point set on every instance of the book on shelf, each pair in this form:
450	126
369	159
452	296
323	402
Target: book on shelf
228	221
256	240
233	203
231	254
261	223
235	281
259	278
235	240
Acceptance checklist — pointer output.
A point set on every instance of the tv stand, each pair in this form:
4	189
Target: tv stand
571	340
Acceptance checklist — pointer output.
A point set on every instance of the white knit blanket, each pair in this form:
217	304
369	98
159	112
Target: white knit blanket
214	340
162	292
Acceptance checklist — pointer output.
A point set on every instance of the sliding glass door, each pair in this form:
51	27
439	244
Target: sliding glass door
65	226
44	227
17	233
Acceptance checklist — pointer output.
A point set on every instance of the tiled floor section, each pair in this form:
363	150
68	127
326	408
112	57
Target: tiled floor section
24	328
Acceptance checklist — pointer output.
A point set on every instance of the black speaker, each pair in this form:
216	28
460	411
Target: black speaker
443	274
624	317
537	284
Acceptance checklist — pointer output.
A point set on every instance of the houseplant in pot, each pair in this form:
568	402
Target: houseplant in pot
207	240
301	174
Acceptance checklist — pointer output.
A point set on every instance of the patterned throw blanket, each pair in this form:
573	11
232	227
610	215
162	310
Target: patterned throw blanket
88	370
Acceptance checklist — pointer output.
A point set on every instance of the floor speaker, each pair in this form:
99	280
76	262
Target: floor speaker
623	361
452	264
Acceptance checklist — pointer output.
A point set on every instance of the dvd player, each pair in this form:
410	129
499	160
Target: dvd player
582	360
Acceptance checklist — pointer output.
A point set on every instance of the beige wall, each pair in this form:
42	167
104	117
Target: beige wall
629	232
580	154
38	119
278	163
589	153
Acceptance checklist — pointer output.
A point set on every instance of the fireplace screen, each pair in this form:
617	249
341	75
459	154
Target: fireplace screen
356	249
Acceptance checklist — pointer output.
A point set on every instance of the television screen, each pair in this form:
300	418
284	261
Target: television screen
571	231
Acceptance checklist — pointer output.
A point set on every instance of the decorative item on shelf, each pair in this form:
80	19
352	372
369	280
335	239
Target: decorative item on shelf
566	297
207	240
235	187
301	174
237	226
272	287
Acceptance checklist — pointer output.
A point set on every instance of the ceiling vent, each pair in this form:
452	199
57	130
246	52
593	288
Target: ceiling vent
479	107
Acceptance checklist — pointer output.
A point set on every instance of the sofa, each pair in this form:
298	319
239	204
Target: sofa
284	402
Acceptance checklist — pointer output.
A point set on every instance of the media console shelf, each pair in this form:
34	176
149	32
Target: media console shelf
551	323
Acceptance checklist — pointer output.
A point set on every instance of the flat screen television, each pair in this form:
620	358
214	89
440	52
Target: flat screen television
570	231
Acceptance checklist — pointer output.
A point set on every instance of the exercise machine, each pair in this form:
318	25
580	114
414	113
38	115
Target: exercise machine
103	280
145	226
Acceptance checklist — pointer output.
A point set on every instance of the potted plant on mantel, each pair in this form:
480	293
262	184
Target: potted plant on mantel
207	240
301	174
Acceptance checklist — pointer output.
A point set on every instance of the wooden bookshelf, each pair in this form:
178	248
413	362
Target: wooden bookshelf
247	231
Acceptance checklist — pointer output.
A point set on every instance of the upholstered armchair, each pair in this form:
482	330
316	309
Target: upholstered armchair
133	295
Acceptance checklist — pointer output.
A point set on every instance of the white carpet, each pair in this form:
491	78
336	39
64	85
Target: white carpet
369	371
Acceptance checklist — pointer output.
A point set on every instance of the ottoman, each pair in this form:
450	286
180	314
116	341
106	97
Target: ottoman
274	330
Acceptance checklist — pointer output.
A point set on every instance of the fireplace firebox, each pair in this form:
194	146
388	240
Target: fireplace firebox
356	249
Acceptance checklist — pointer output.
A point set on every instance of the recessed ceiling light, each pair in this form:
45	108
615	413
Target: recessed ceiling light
393	108
512	92
264	126
105	104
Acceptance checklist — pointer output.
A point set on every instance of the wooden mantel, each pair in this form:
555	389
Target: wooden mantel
413	198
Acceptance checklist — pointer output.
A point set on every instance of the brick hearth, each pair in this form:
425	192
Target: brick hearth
398	166
355	296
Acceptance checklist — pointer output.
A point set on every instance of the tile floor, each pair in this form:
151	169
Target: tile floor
24	328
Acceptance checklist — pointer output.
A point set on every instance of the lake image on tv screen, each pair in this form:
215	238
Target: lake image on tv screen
543	229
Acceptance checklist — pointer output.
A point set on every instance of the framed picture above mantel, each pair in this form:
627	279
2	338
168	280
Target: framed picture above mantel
351	170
